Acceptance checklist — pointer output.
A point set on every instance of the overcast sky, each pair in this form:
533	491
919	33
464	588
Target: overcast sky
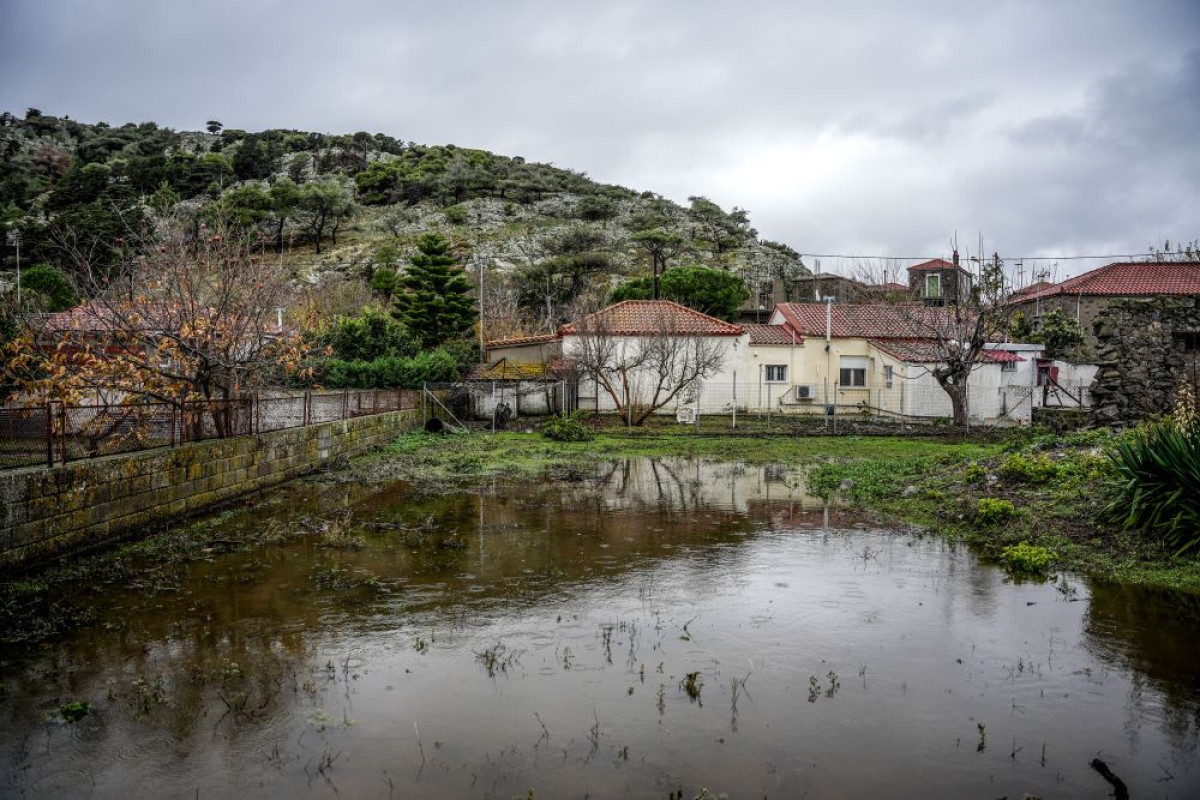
1065	127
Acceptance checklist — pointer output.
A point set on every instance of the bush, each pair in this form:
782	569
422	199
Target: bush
568	429
1157	484
992	511
372	335
456	215
1025	557
974	473
389	372
56	294
1029	469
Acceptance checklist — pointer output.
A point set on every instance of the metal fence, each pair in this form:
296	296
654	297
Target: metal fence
898	405
495	404
55	433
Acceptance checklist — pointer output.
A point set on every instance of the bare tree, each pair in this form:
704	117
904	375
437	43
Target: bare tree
645	372
192	312
950	340
878	272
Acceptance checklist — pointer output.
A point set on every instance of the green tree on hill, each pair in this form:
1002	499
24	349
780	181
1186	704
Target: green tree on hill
711	291
431	297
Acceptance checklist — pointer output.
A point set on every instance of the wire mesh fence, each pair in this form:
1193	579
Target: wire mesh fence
495	404
895	406
54	432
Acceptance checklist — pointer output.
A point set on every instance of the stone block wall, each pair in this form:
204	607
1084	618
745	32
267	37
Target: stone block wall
46	512
1144	353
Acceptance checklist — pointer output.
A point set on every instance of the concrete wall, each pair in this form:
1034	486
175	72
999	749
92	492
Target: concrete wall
51	511
627	349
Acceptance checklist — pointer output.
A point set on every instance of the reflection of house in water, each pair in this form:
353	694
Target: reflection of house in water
771	492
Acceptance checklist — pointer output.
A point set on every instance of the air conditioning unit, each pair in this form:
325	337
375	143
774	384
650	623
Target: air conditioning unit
685	415
806	391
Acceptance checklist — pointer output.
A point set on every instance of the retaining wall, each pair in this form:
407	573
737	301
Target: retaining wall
46	512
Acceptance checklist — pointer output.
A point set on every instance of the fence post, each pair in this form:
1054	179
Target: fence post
49	435
424	419
62	423
306	412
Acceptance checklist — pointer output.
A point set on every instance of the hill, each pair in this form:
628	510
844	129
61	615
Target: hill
348	209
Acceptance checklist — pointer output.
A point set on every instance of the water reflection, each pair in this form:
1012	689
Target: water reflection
665	624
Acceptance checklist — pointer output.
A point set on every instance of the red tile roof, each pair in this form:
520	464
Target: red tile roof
926	351
650	317
874	320
774	334
514	341
1031	289
1123	279
935	263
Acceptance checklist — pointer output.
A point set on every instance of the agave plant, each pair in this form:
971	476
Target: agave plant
1157	483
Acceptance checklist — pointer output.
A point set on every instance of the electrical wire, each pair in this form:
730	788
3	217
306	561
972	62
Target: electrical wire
1006	258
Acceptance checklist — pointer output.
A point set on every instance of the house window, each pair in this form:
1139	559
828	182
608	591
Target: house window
853	371
933	285
1008	366
776	373
887	376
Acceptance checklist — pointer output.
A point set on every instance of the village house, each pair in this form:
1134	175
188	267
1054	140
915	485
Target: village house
1084	297
810	358
878	358
665	341
939	282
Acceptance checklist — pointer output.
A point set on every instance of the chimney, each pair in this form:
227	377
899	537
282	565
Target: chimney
956	257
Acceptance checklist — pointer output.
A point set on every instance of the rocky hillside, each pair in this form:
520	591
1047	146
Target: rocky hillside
347	209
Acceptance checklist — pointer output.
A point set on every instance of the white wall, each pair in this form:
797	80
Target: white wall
733	352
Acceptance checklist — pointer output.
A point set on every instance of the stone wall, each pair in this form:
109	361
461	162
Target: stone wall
1143	354
47	512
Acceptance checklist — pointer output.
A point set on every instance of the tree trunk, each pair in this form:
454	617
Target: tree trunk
958	402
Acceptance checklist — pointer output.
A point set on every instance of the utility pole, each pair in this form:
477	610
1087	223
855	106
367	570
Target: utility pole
482	351
14	239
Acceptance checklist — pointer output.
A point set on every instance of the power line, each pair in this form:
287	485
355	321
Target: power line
1008	258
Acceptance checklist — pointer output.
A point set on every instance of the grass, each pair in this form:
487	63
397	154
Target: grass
432	459
1053	483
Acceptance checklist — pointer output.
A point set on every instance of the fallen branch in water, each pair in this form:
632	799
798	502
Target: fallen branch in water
1121	792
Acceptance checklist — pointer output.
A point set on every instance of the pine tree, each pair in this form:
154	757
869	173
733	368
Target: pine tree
432	296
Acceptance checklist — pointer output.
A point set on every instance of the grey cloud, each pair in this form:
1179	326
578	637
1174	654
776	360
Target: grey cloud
846	127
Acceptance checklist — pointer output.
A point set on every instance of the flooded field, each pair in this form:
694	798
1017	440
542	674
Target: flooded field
656	630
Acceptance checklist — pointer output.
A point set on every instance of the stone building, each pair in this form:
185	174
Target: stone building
1146	348
1085	297
939	282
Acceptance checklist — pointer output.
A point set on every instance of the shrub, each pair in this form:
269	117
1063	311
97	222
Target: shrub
389	372
1025	557
456	215
373	334
75	710
1029	469
56	294
568	429
1156	488
974	473
992	511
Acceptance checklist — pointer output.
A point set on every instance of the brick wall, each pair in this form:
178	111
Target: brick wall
46	512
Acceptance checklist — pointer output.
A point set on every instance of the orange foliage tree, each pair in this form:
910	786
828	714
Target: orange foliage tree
193	312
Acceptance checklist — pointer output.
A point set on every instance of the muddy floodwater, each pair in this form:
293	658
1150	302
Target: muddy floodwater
660	626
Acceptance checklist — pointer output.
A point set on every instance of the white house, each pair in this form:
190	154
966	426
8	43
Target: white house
653	353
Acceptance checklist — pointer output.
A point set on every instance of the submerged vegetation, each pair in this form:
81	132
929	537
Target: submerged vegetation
1026	486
